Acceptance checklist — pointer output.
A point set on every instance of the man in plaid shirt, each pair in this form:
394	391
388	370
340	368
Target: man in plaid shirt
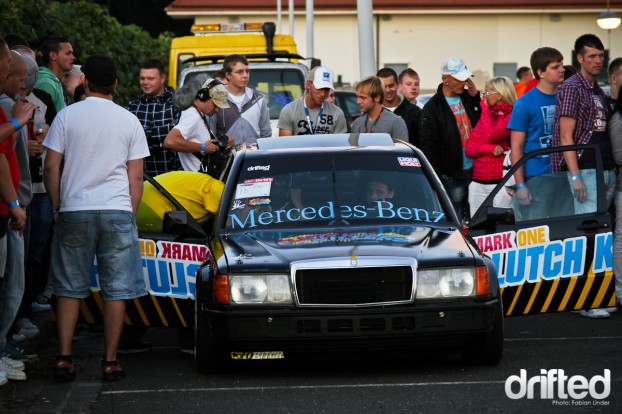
155	111
581	118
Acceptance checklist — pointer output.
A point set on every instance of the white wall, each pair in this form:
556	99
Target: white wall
424	41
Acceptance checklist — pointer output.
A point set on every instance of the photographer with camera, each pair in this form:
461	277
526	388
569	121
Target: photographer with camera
193	136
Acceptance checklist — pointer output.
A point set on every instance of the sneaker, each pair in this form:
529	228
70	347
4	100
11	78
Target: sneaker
40	307
14	351
134	348
27	328
18	365
41	303
594	313
3	379
611	309
25	323
187	349
12	373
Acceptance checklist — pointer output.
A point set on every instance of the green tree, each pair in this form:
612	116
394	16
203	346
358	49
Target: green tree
91	30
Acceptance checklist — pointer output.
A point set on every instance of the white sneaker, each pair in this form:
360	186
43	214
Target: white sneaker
27	328
12	373
26	323
595	313
3	379
18	365
40	307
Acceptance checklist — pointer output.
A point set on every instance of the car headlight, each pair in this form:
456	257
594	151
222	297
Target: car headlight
443	283
256	289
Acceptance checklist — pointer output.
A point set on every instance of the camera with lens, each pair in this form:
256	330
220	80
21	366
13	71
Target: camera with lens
221	140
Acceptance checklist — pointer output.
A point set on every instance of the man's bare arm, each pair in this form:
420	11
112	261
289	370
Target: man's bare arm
135	176
51	177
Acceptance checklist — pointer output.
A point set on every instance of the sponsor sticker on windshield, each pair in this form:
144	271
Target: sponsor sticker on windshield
408	162
257	187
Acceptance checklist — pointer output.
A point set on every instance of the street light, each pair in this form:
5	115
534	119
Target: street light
608	20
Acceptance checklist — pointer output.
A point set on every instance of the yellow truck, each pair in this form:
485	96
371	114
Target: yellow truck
276	68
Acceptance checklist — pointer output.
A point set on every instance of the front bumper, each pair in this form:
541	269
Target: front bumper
461	327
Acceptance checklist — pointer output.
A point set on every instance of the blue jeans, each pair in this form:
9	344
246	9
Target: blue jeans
112	238
458	192
12	285
40	224
589	180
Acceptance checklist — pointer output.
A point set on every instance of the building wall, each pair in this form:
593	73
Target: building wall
424	41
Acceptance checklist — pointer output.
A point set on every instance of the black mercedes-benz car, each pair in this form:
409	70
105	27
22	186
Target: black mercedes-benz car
338	244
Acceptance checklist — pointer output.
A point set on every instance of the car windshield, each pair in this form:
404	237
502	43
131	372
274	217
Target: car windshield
278	86
337	189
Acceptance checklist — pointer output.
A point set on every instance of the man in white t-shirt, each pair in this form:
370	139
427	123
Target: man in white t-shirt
101	147
193	134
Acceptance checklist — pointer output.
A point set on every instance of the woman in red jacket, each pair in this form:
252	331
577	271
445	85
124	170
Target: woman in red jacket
490	141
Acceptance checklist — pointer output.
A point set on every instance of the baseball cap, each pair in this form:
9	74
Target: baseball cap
217	92
100	70
456	68
322	77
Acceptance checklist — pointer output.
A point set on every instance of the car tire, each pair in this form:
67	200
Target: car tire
209	357
491	352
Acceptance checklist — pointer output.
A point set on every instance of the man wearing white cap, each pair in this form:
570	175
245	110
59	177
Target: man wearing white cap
447	122
198	100
313	113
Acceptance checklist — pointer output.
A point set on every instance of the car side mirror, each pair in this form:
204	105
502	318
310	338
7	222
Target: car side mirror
181	223
491	217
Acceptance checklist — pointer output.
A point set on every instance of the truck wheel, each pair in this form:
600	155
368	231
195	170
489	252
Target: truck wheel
492	349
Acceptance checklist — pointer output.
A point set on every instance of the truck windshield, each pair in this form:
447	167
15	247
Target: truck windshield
279	86
326	189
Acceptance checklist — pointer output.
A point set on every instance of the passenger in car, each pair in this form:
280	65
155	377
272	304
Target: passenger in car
380	188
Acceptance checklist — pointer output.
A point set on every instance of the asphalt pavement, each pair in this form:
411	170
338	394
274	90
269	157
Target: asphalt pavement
40	394
165	380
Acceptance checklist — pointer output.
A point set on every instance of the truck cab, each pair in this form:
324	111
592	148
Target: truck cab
276	70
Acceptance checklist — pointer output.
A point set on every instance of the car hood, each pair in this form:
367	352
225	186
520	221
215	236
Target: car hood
275	250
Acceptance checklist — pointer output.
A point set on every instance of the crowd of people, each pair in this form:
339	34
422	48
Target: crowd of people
60	117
